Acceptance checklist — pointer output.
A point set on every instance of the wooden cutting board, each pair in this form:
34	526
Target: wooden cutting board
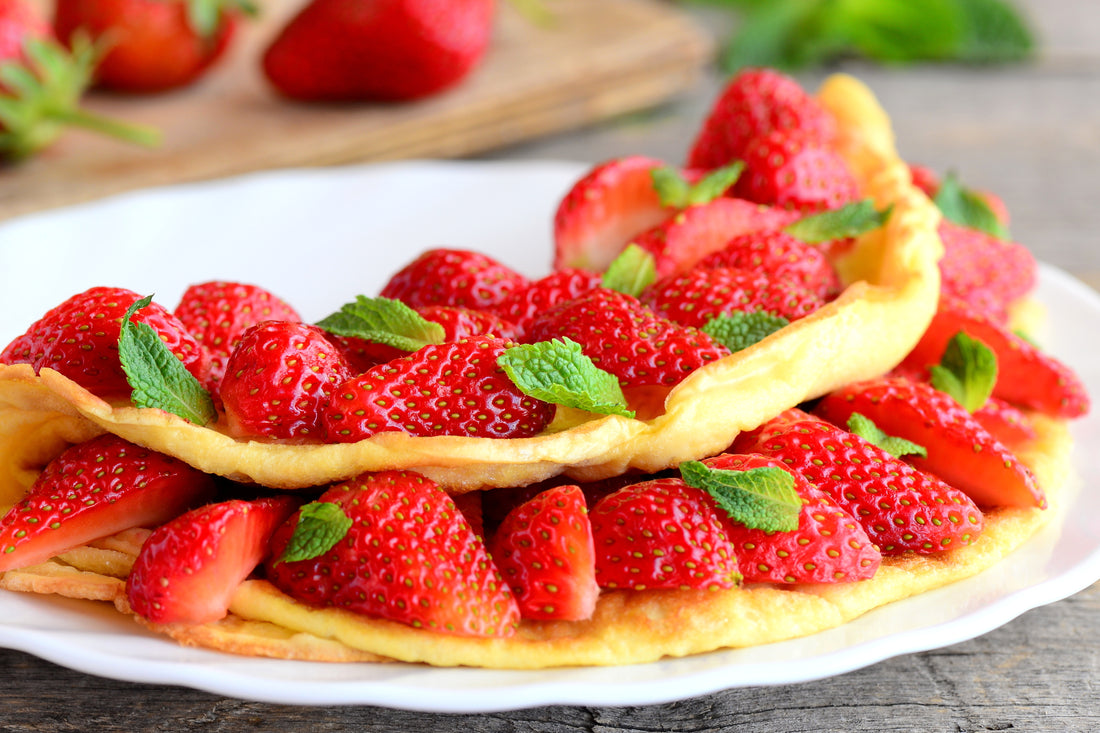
599	58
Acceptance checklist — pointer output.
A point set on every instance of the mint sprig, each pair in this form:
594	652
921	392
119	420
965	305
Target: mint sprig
967	371
676	191
560	373
383	321
631	272
850	220
967	208
759	498
865	427
158	378
321	524
739	330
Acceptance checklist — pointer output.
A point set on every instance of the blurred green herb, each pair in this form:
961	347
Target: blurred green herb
794	34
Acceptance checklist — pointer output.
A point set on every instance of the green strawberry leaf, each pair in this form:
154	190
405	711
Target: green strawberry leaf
321	525
967	208
865	428
759	498
739	330
384	321
631	272
559	372
850	220
158	378
967	371
674	190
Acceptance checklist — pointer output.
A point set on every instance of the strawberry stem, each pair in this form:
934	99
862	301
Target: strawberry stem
138	134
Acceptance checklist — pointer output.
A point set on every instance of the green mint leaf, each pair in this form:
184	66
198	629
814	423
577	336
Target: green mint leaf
739	330
559	373
158	378
321	525
900	31
759	498
674	190
768	35
850	220
384	321
967	371
993	32
967	208
865	428
631	272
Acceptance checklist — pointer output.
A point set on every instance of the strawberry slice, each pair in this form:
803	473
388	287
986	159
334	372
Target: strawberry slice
1004	422
544	551
188	569
95	489
960	450
987	272
782	257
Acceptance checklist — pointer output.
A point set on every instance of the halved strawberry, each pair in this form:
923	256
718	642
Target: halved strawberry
188	569
987	272
95	489
1004	422
782	257
791	171
453	277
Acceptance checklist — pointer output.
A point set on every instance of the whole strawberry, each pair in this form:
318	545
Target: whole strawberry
378	49
79	339
524	304
453	277
792	171
444	389
782	257
279	380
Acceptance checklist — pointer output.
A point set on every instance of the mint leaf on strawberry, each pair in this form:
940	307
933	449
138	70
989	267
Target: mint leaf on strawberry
631	272
865	428
675	190
967	208
739	330
384	321
158	378
759	498
967	371
850	220
321	524
559	372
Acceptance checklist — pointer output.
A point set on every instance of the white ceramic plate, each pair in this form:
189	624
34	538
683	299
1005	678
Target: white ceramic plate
320	237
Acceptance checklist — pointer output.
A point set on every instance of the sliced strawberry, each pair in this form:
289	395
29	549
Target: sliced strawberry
95	489
453	277
188	569
544	551
782	257
402	552
986	272
792	171
1005	423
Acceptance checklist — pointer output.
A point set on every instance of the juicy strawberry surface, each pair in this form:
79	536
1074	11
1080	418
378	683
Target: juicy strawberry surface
95	489
453	277
445	389
1004	422
627	339
524	304
409	556
782	257
986	272
279	380
20	20
79	338
544	550
791	171
188	569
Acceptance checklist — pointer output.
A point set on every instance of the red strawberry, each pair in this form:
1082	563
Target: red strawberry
378	49
453	277
605	208
79	338
829	545
20	21
544	551
154	45
279	380
627	339
188	569
755	102
782	257
900	508
95	489
408	556
960	450
218	313
661	534
524	304
1004	422
445	389
1025	375
987	272
695	298
791	171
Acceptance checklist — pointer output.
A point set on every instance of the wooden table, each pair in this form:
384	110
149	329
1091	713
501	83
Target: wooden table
1031	134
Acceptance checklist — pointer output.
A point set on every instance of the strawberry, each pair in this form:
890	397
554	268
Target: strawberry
544	551
398	549
900	508
987	272
154	45
95	489
1005	422
79	339
218	313
20	22
1025	375
378	49
661	534
453	277
279	380
780	255
524	304
928	181
627	339
695	298
960	450
188	569
444	389
792	171
754	103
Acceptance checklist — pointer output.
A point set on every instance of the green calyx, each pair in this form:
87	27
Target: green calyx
206	16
